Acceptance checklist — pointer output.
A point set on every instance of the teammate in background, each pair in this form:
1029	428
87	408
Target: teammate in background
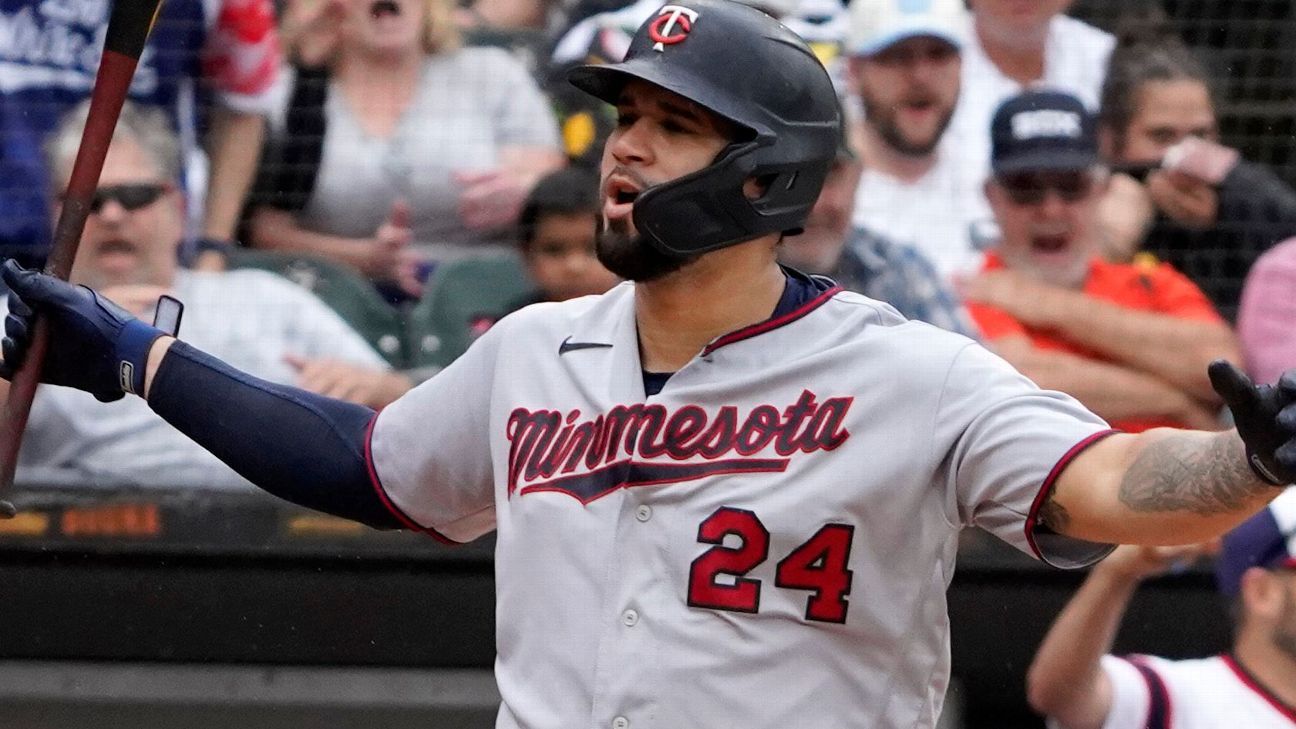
557	223
1201	208
263	323
859	260
724	493
221	56
1130	341
1016	46
1078	686
904	61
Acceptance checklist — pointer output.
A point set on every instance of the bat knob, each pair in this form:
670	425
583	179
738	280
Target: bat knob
7	509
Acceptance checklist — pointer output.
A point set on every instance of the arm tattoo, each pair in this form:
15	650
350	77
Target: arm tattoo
1054	515
1182	472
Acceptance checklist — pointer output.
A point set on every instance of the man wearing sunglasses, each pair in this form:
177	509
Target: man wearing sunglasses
1130	341
1076	681
129	251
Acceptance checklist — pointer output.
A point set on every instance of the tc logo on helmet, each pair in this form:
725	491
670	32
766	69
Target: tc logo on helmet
672	25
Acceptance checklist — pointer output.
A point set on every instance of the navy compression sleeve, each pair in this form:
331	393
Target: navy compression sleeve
299	446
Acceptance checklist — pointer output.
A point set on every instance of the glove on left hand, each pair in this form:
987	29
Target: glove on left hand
94	345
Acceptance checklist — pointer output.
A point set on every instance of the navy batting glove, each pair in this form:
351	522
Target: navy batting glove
94	344
1265	416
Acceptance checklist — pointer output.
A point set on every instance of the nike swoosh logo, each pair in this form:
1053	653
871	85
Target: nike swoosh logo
569	346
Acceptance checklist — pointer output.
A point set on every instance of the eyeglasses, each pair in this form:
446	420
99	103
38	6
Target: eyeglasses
132	197
1030	188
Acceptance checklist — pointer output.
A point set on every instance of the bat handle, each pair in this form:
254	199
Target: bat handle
13	417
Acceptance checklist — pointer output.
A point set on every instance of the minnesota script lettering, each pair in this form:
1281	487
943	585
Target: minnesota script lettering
629	445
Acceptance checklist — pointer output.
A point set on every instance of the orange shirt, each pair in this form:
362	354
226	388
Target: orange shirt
1142	286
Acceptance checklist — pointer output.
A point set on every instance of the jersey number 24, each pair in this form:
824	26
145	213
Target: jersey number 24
818	565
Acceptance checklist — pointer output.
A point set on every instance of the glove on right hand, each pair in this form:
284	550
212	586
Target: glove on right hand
94	345
1265	417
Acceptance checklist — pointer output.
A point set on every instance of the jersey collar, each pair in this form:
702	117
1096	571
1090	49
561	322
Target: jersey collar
603	343
1252	683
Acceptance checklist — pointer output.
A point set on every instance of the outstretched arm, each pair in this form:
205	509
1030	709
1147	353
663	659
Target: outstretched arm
1066	680
1169	486
297	445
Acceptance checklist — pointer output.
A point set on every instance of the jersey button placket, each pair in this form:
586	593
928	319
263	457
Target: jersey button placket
643	513
630	618
620	723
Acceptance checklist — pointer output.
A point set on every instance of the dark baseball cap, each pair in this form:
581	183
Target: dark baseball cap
1266	540
1042	131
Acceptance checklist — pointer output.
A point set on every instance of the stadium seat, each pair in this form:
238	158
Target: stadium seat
347	292
463	298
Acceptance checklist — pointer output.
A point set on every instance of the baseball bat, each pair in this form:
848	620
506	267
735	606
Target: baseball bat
128	29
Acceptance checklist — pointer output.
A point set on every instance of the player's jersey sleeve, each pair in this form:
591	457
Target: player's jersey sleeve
430	452
1005	441
1139	696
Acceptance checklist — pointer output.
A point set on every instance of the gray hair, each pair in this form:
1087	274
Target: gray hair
149	127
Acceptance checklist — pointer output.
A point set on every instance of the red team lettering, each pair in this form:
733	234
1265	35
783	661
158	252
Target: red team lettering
545	444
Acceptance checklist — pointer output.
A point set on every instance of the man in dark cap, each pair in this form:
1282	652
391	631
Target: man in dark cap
1130	341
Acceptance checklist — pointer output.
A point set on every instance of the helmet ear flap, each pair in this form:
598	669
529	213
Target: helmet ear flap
784	189
711	209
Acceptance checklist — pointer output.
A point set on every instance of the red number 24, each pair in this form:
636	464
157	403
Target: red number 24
818	565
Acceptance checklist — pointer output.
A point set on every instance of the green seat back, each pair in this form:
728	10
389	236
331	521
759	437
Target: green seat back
461	300
344	289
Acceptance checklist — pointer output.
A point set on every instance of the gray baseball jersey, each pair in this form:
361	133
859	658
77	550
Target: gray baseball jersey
765	543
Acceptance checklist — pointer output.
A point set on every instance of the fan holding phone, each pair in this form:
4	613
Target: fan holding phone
1178	193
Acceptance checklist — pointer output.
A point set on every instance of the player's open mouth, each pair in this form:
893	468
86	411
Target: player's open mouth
619	197
383	8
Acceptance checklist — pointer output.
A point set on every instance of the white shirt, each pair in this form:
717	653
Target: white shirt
766	543
249	319
1075	61
469	105
1206	693
938	214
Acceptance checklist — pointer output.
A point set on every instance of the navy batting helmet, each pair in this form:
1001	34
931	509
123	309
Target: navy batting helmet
744	66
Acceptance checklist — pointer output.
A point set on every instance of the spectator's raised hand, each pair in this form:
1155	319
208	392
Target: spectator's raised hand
1140	563
491	198
310	28
389	256
1124	214
368	386
1190	201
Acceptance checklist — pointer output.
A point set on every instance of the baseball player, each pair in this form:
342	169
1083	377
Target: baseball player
1079	685
725	494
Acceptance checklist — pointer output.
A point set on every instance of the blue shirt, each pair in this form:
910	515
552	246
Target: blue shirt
49	54
900	275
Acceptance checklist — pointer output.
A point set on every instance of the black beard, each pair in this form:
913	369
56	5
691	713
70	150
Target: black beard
630	257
